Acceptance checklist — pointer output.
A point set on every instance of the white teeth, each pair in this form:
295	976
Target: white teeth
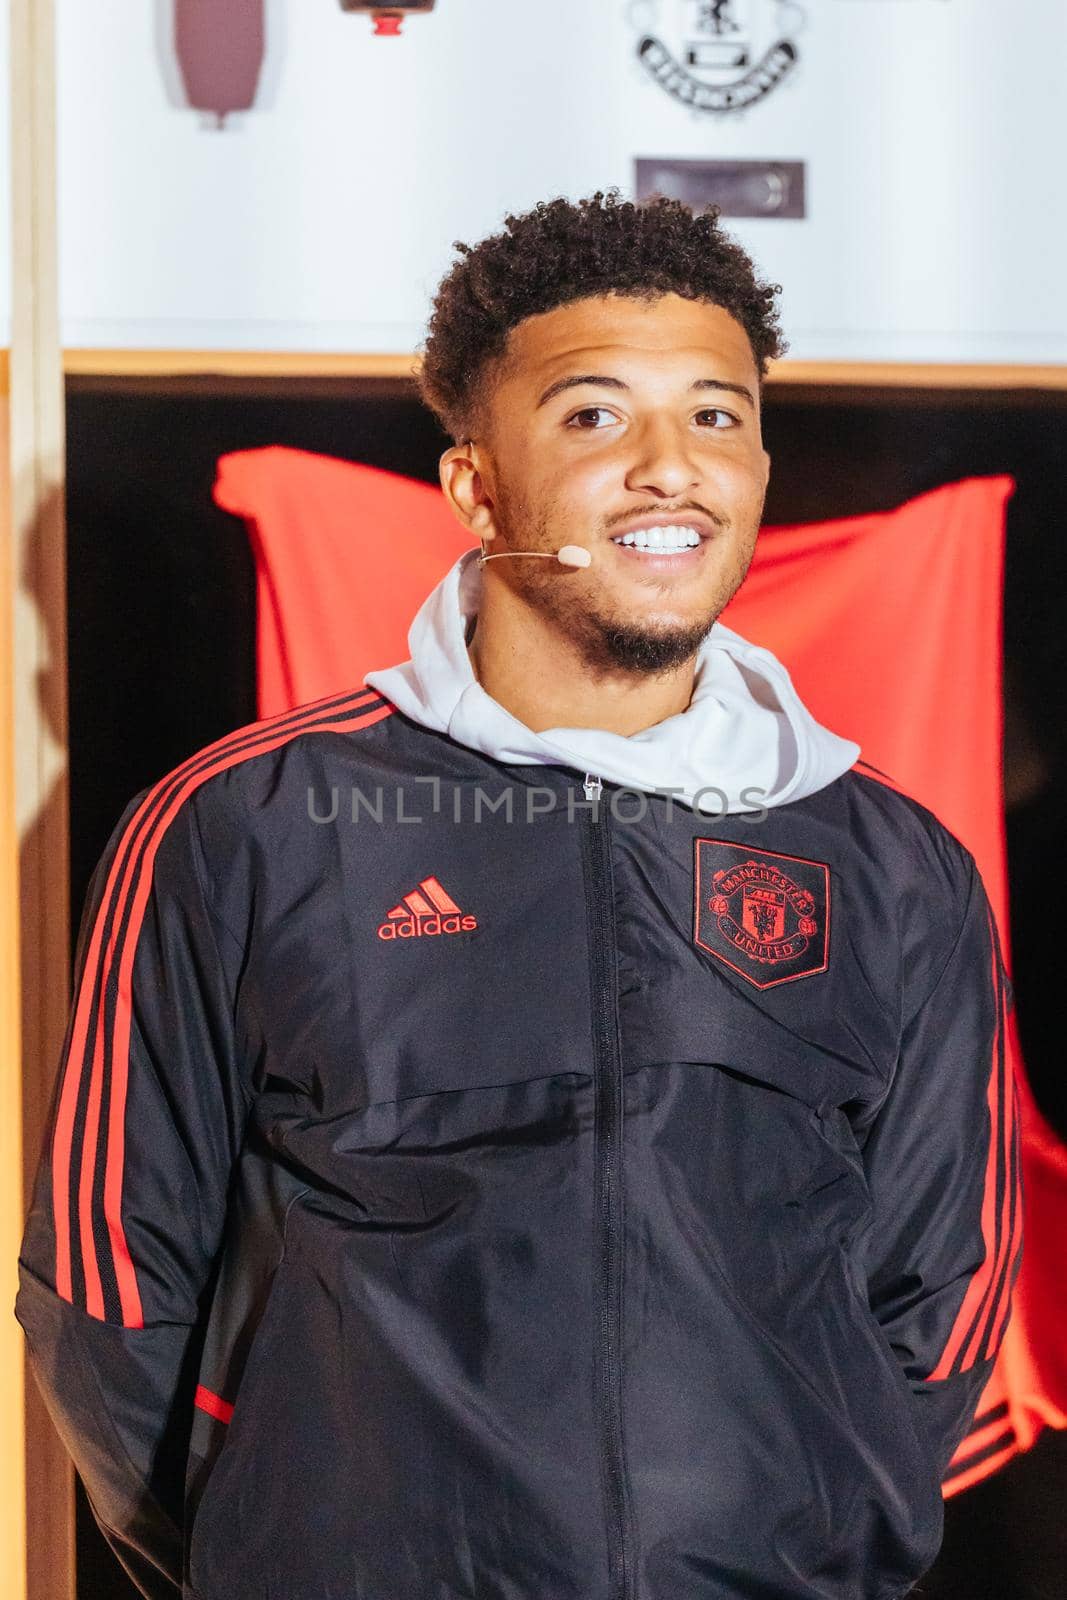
662	538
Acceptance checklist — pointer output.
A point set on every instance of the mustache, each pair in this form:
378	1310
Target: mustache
716	517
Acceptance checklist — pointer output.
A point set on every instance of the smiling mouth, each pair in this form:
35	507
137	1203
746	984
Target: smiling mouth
667	545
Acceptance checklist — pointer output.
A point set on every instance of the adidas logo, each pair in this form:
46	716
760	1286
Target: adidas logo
426	910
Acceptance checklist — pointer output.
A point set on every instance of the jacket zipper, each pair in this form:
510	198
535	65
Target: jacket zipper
607	1182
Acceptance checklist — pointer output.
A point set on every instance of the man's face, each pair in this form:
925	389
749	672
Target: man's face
663	428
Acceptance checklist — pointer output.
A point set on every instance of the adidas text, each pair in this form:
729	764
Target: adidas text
418	927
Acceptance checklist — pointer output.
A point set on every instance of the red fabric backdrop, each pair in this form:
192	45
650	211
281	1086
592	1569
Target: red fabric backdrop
890	625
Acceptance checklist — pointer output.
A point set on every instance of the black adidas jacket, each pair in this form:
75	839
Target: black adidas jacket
592	1200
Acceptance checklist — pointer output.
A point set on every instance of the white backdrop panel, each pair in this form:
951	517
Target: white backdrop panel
323	218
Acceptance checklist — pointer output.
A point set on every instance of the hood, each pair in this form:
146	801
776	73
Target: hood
745	741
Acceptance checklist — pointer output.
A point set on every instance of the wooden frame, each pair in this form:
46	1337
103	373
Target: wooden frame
299	364
37	1476
12	1380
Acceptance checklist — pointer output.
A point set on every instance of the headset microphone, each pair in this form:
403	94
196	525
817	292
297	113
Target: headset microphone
568	555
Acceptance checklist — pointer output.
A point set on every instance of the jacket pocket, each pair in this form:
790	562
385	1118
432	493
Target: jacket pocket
224	1497
745	1204
219	1420
865	1375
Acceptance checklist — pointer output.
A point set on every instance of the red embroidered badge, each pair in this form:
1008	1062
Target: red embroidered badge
764	914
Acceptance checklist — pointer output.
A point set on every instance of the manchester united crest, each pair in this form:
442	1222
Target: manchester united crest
764	914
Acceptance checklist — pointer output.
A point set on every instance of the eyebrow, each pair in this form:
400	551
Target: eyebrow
616	383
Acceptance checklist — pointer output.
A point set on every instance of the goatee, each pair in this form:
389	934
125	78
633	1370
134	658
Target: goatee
635	649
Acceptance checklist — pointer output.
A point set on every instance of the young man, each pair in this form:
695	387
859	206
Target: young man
524	1129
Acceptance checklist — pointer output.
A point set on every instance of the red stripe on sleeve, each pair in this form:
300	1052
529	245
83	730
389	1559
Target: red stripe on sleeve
129	885
1015	1186
973	1309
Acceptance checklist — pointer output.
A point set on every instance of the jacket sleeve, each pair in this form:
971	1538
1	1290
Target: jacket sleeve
943	1164
128	1206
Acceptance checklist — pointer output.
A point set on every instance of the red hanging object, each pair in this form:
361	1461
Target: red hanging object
387	19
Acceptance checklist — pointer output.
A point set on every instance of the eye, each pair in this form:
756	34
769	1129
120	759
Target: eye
589	411
731	420
727	419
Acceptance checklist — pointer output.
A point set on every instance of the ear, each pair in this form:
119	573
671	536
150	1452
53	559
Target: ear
465	492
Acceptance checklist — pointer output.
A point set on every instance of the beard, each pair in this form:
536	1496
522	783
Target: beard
606	642
629	648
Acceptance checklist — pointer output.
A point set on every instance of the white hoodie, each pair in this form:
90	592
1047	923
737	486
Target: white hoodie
744	742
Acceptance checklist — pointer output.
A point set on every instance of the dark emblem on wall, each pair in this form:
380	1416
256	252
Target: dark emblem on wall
722	55
763	914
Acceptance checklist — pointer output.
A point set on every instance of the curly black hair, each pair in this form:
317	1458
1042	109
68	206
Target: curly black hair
564	250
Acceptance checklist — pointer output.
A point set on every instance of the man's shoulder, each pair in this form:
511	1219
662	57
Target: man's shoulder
260	752
908	839
225	783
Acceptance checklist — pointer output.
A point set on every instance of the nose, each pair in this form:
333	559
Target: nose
662	464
